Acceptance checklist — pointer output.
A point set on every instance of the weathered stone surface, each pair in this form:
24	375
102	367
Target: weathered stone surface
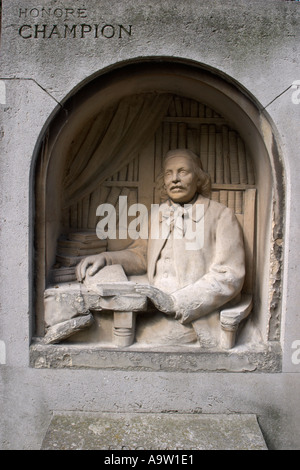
256	49
65	329
145	431
157	359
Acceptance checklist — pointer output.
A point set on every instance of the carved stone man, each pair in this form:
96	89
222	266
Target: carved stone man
186	282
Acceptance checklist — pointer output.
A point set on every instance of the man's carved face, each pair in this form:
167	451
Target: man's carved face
180	179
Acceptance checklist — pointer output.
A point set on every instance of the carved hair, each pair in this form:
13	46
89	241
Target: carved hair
204	182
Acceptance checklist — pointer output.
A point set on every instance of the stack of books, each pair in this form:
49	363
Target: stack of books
71	249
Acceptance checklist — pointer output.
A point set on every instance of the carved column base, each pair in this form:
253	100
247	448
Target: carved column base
124	328
230	319
228	336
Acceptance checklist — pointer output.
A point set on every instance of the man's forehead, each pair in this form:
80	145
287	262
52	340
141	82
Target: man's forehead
178	160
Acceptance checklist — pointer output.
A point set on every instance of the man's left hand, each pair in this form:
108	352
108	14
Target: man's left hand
162	301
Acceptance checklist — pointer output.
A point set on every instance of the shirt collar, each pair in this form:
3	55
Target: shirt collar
191	207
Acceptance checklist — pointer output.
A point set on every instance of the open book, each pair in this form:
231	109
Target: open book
109	281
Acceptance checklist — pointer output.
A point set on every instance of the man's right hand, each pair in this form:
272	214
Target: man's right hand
90	265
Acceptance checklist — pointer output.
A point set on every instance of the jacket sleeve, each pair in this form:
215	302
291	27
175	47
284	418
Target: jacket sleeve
133	259
225	277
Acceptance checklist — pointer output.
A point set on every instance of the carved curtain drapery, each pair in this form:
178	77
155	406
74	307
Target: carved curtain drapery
115	137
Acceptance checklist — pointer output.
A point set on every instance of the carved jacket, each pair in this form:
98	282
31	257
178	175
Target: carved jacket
209	275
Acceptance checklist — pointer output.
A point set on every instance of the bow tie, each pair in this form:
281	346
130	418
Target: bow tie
174	218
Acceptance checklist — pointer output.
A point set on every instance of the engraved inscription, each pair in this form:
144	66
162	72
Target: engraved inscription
67	23
44	31
64	13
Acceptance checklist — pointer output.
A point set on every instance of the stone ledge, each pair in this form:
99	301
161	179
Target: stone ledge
153	431
185	359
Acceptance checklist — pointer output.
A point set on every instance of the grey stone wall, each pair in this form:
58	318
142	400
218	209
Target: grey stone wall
252	43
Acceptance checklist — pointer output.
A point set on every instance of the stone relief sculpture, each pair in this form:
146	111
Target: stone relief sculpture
144	257
174	281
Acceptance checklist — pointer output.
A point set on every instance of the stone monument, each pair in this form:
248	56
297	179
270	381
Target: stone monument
149	235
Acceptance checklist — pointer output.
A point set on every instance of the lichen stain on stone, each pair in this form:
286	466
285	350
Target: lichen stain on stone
276	258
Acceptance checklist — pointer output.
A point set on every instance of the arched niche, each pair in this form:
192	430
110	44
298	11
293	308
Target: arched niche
205	111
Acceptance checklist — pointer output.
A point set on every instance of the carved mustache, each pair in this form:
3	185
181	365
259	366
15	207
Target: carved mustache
177	187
